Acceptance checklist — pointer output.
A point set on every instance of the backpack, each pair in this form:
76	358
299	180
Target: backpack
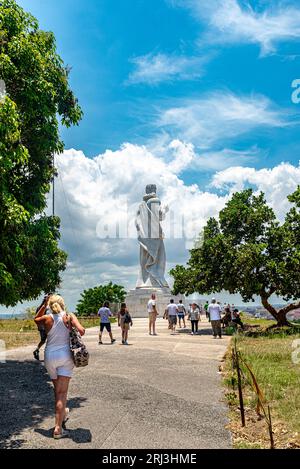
79	351
127	318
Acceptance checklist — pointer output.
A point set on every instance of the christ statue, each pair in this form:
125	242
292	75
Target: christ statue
151	239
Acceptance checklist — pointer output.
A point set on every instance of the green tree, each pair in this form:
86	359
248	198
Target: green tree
247	251
37	99
93	298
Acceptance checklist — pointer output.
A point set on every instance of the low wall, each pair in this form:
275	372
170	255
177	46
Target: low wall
137	300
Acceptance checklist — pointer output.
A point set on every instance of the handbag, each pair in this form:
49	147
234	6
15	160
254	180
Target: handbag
78	349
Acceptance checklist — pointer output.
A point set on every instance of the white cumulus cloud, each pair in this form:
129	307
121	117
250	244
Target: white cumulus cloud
277	183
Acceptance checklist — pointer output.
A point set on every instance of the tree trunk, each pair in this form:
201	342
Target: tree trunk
279	316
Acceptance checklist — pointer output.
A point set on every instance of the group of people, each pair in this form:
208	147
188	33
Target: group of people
216	315
124	322
194	312
175	314
55	324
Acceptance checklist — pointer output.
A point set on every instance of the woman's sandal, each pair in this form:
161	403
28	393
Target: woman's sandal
63	434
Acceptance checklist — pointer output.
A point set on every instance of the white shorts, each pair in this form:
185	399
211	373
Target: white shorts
59	363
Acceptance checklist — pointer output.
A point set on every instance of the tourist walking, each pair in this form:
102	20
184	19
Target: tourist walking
124	321
194	316
58	358
206	310
181	313
152	313
214	310
105	313
172	315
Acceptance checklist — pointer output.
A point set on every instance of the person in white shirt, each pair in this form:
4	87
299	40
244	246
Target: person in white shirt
152	313
172	311
194	316
214	310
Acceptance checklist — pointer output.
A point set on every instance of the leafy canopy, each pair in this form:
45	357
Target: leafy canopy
38	97
93	298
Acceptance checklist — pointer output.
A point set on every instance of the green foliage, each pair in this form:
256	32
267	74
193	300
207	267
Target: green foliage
247	251
230	330
93	298
30	312
37	98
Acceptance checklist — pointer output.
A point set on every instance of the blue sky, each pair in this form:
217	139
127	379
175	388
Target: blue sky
101	39
190	94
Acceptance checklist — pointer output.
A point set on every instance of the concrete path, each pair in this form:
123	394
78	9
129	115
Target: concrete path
159	392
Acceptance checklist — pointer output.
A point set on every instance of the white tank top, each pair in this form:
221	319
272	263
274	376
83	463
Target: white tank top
59	334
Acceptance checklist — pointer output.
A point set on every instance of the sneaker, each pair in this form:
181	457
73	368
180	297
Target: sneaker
113	341
36	354
125	343
155	333
192	333
100	342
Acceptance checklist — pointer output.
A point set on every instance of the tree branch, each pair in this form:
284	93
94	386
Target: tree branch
289	308
264	299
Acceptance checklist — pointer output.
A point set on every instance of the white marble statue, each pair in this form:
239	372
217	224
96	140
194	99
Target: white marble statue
151	239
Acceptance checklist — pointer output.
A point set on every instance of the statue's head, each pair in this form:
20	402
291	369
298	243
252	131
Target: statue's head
151	189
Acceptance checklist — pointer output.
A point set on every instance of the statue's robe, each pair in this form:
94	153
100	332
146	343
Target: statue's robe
152	249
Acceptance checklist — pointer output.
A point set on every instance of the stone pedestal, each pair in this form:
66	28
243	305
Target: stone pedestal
137	300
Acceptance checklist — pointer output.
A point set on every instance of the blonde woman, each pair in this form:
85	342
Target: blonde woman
58	358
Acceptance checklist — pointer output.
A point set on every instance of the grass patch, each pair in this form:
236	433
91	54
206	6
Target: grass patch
270	358
251	321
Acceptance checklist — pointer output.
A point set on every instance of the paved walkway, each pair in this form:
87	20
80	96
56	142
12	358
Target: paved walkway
159	392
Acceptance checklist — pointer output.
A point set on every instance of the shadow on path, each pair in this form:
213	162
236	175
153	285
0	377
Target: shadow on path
206	331
27	398
78	435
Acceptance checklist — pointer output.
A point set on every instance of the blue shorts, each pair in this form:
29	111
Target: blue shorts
180	315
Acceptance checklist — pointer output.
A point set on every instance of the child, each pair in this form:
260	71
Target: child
124	321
